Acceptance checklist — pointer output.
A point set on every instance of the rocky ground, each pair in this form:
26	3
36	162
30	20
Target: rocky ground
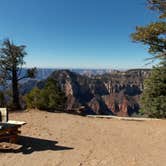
54	139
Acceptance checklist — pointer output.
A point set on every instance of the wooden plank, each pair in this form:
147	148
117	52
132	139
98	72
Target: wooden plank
7	125
8	131
3	115
8	136
16	122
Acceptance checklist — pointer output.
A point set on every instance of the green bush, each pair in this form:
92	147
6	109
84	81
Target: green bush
32	98
49	98
153	99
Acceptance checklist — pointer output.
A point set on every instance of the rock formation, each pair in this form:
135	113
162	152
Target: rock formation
114	93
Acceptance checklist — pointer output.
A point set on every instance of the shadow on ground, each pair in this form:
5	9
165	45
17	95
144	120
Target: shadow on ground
29	145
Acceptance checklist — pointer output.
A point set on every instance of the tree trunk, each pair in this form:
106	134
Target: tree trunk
16	101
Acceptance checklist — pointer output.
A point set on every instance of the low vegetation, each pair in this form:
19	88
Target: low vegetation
49	98
154	96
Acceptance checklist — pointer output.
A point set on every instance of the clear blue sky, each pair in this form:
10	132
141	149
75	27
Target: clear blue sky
76	33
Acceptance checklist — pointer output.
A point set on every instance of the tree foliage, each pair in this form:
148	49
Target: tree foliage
154	34
158	5
154	96
11	62
49	98
153	99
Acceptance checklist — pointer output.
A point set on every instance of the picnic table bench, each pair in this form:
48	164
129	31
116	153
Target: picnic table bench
9	129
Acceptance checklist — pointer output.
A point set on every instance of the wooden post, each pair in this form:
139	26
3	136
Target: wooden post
4	115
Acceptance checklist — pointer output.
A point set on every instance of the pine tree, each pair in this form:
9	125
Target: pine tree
153	99
11	62
154	96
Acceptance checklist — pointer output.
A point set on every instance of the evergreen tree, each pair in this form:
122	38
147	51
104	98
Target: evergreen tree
154	35
11	62
154	96
49	98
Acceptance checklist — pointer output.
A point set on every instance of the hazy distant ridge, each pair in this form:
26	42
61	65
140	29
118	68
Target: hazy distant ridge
43	73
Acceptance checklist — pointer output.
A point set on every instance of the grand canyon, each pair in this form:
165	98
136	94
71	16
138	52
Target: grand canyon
89	92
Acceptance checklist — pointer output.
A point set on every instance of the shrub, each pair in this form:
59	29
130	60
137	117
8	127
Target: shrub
49	98
154	96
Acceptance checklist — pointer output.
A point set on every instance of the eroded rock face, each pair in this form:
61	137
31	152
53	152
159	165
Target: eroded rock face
68	88
122	105
98	106
73	85
115	93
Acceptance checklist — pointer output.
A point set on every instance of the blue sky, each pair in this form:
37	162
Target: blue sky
76	33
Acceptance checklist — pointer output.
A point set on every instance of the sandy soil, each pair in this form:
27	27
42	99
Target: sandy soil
58	139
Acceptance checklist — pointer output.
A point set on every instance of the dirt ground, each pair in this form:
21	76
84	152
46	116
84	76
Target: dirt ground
59	139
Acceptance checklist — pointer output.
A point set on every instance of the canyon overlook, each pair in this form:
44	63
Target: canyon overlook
115	93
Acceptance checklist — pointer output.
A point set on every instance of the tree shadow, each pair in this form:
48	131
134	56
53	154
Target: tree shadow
30	145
